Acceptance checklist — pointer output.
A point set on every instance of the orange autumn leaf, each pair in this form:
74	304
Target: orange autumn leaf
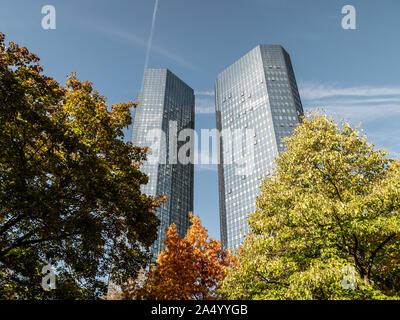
187	269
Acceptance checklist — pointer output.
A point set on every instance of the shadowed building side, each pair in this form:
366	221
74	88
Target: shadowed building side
257	92
166	103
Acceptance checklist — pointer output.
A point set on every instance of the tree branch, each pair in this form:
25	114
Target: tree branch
10	223
373	255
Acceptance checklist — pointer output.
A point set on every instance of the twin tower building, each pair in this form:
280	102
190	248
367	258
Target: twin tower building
256	98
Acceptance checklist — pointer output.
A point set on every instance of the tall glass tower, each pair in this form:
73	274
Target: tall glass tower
166	104
258	92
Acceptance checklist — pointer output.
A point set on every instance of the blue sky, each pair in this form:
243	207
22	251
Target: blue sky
352	74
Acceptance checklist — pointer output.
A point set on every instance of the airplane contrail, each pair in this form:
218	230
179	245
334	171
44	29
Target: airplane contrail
153	23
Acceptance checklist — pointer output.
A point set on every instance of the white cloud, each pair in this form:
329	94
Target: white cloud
348	101
377	109
206	167
205	106
312	90
395	154
359	113
127	36
358	104
205	110
205	93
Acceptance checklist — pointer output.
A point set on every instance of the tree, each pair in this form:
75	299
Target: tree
187	269
327	224
69	186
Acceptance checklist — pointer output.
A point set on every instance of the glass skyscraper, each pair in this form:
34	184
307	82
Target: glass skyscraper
258	92
166	103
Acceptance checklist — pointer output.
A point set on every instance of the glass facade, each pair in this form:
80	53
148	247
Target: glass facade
166	102
258	92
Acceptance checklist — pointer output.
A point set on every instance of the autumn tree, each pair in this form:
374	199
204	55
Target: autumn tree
327	224
187	269
69	186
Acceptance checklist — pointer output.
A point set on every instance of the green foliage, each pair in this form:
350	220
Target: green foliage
333	201
69	186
